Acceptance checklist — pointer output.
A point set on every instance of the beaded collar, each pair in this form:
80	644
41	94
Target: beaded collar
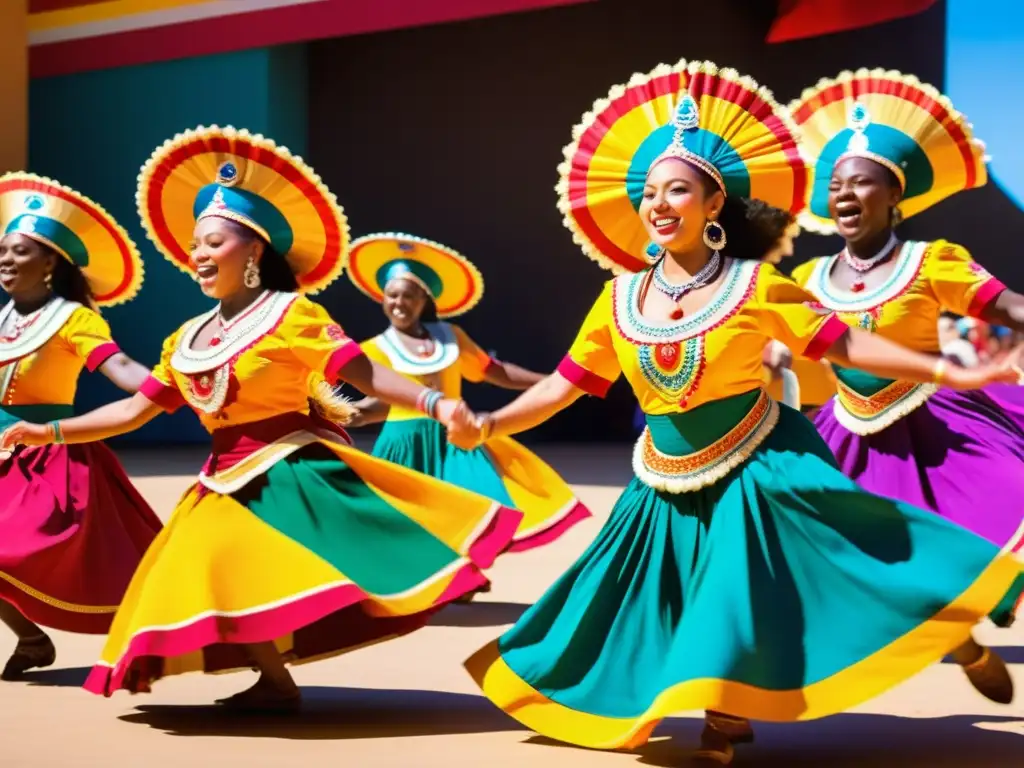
258	320
51	319
445	354
739	278
908	265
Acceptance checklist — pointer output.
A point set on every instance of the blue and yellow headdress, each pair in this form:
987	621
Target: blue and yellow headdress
246	178
447	276
895	120
78	229
717	120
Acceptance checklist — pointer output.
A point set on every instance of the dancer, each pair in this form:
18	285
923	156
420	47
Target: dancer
740	571
72	526
417	282
292	546
886	147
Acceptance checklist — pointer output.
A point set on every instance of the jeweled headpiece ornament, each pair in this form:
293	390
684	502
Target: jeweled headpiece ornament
715	119
78	229
448	277
898	122
244	177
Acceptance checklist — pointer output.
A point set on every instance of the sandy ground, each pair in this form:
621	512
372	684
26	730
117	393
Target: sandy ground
409	704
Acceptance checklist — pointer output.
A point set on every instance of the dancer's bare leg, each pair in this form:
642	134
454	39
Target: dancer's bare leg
985	670
721	732
274	691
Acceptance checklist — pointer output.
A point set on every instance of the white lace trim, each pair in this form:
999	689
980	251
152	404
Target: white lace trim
52	318
445	354
251	329
727	299
906	270
710	473
905	405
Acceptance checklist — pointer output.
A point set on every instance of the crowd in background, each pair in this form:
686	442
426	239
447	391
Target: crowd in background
971	342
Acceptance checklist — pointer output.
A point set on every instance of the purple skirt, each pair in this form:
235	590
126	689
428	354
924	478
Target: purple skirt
961	455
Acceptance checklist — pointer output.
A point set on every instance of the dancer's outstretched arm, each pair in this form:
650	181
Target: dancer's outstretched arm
113	419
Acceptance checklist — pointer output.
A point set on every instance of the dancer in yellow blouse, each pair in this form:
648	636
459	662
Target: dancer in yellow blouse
740	571
884	147
420	284
72	526
292	545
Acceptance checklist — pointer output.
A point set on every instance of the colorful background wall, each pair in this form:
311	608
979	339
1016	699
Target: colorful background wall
453	130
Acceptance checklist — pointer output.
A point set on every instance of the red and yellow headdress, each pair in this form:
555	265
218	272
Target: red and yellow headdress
448	277
716	119
899	122
249	179
78	229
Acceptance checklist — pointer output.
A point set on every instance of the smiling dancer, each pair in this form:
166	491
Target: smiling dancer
419	285
72	526
740	571
886	147
292	546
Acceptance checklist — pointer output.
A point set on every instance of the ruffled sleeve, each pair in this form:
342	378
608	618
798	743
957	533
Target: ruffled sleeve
88	334
592	364
316	340
788	313
960	284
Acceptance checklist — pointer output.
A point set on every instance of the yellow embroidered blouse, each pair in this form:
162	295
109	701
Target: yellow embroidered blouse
455	357
260	370
928	278
711	355
41	366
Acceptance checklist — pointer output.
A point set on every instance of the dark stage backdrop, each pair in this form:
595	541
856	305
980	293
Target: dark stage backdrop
454	133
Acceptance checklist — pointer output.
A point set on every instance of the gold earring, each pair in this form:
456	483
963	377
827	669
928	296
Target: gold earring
251	277
48	280
714	235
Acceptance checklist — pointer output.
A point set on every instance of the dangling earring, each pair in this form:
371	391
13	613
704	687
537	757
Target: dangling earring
652	252
48	280
896	217
714	235
251	278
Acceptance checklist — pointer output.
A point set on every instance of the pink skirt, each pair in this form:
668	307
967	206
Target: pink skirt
73	529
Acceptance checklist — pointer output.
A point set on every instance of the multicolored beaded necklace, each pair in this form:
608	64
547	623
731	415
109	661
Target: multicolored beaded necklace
862	266
676	291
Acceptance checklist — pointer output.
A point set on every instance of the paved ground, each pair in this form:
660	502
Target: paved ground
408	703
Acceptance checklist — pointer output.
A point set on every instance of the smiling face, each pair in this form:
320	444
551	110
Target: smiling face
220	251
676	204
404	302
24	265
861	196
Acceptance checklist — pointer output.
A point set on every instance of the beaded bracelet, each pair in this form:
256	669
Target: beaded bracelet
58	436
427	402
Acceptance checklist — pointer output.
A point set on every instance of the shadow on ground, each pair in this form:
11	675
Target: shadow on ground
71	677
843	741
482	614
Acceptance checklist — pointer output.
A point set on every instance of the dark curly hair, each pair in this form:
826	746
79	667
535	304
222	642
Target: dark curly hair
752	227
67	280
275	272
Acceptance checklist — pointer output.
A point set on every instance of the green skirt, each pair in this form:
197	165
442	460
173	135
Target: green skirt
780	592
502	470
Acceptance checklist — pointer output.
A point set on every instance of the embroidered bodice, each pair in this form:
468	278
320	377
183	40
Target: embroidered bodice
927	279
455	357
40	362
262	367
710	355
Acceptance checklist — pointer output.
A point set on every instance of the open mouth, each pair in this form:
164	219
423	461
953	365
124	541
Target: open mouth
7	274
206	272
665	225
848	214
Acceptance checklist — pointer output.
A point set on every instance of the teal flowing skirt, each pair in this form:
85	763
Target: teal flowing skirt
502	470
781	592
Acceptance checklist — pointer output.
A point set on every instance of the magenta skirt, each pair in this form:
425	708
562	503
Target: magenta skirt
961	455
73	529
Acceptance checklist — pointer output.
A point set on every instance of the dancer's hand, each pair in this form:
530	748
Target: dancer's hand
454	414
1007	371
469	436
24	433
